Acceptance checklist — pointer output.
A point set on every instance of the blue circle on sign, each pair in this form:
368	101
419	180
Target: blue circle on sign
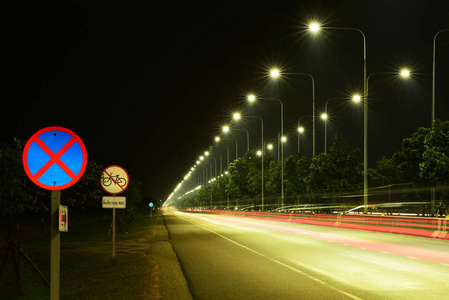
151	204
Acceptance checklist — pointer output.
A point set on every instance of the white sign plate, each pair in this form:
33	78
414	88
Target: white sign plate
114	202
114	180
63	218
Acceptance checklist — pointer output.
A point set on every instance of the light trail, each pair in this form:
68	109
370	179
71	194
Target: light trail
395	249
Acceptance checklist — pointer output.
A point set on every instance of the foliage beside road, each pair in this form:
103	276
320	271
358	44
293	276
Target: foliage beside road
421	163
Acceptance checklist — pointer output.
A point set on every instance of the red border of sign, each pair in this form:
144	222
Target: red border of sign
49	187
127	179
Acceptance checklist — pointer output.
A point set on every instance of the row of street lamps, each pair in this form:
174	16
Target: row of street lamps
276	73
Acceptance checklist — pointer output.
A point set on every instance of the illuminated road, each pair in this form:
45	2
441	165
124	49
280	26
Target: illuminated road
239	258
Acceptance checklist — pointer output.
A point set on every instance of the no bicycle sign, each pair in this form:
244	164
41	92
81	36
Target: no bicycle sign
54	158
114	180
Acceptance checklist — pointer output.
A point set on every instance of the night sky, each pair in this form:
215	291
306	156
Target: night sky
148	85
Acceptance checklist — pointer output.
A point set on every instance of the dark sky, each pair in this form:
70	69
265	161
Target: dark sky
148	85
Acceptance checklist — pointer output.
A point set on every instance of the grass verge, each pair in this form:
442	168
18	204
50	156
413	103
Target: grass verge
87	268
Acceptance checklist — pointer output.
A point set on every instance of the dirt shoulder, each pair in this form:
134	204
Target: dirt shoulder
145	265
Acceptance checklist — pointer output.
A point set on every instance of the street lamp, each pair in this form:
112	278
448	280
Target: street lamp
301	130
432	197
217	139
275	73
237	117
252	98
404	73
316	27
206	154
226	130
433	74
324	116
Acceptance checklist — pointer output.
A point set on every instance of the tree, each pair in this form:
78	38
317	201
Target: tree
410	157
338	171
302	166
422	161
291	178
18	193
434	166
386	172
273	176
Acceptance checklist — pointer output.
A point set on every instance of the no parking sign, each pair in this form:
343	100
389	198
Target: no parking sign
54	158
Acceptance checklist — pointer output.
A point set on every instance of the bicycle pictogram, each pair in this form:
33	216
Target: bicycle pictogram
108	180
114	180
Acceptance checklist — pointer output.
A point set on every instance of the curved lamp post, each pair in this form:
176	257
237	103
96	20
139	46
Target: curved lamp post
325	116
252	98
433	74
275	73
237	116
315	27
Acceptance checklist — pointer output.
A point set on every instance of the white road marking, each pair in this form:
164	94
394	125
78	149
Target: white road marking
280	263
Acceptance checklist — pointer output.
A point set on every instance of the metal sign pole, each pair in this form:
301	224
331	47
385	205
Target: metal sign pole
113	232
55	246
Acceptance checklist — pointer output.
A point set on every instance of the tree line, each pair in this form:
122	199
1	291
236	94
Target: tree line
18	194
421	163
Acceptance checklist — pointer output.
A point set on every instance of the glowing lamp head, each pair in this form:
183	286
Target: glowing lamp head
284	139
236	116
356	98
251	97
324	116
259	153
275	73
314	27
225	128
300	129
405	73
270	146
217	138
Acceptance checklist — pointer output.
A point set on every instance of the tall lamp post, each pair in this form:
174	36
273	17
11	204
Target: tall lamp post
432	196
315	27
433	73
261	153
275	73
226	130
301	130
217	139
252	98
403	73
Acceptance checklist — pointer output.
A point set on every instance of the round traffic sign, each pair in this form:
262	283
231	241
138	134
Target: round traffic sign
54	158
114	180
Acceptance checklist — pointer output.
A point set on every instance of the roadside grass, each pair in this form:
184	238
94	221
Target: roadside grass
87	268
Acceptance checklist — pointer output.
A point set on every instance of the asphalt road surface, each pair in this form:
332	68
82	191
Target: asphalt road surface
226	257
